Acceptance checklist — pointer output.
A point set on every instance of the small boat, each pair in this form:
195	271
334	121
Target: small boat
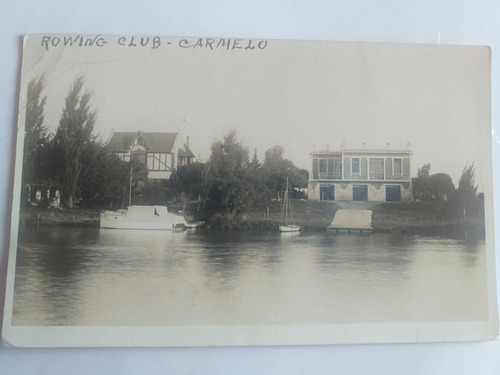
142	217
287	226
195	224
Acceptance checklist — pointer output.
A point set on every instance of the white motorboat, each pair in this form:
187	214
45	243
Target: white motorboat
142	217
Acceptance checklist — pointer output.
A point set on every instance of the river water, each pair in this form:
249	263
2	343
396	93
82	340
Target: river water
88	276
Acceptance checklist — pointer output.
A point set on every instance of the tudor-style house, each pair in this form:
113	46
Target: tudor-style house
360	174
161	153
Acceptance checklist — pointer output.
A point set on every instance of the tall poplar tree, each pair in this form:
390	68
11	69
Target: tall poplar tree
35	133
467	188
74	134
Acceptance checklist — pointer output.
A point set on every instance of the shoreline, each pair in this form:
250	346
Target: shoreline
84	217
415	218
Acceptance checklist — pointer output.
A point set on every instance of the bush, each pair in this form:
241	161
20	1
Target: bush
223	221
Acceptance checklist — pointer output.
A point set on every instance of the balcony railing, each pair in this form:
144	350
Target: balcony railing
373	176
376	175
330	176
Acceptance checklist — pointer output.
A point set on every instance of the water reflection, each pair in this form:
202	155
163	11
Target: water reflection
224	255
371	253
52	260
470	251
77	276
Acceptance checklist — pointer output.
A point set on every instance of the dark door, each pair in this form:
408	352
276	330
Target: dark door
327	193
393	193
360	193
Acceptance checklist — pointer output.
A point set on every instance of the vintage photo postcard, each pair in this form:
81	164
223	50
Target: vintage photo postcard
221	191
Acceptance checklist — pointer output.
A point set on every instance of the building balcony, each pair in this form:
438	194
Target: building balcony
377	176
372	177
328	176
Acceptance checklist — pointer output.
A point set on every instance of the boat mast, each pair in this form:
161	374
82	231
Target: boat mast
130	187
286	202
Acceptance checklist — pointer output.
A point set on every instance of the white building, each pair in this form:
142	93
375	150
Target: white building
360	175
161	153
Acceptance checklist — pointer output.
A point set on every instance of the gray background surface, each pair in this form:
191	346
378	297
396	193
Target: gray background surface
447	22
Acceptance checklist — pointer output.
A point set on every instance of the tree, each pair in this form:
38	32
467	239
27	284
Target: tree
189	178
35	133
466	202
256	175
73	135
227	186
232	184
441	187
299	179
421	184
153	192
102	178
466	195
276	169
255	163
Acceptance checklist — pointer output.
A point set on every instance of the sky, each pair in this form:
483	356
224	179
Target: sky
303	95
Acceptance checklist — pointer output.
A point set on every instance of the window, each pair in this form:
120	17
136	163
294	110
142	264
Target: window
355	166
337	169
158	161
138	156
398	167
377	169
322	168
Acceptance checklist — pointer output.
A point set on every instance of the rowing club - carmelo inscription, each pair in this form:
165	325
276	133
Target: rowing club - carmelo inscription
153	42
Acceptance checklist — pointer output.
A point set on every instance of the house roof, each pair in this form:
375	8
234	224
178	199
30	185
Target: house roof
186	152
154	142
363	150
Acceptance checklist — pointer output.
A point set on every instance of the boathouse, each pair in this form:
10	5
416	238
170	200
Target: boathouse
360	174
160	152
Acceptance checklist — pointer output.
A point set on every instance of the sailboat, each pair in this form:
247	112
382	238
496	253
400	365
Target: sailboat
141	217
287	214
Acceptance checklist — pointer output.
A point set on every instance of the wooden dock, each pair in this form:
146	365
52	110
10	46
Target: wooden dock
352	221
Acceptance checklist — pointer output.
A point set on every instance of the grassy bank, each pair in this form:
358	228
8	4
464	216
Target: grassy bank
401	217
420	218
423	218
406	216
310	215
60	216
388	217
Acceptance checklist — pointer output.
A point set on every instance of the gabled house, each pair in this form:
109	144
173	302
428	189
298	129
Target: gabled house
160	152
360	174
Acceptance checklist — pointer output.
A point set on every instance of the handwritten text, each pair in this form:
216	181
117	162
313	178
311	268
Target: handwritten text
222	43
73	40
151	42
